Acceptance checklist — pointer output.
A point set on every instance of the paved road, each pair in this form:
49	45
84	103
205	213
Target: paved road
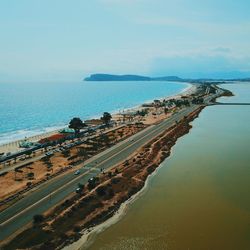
55	190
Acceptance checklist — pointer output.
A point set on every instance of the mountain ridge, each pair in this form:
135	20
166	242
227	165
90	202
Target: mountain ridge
130	77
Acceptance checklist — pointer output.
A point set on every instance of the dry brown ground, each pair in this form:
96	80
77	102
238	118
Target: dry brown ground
12	183
97	203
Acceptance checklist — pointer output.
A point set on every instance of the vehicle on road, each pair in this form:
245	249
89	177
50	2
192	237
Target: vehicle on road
77	172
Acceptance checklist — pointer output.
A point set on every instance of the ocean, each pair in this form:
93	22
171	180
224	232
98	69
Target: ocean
28	109
199	197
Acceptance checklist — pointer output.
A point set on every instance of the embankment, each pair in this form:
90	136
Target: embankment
101	199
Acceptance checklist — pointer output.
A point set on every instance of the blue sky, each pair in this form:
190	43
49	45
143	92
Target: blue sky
69	39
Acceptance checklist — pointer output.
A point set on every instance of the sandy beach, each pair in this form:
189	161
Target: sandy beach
14	145
105	198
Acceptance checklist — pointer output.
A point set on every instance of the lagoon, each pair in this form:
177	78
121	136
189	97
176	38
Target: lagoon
199	197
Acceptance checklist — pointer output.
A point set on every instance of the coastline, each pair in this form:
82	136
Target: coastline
88	235
200	186
13	146
120	184
128	189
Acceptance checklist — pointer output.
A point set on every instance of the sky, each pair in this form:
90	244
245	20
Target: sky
70	39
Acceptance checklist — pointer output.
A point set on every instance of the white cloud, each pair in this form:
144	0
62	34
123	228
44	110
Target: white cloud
202	65
222	50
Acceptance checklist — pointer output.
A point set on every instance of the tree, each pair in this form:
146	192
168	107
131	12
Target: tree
105	138
106	117
141	113
101	191
76	124
38	218
30	175
81	152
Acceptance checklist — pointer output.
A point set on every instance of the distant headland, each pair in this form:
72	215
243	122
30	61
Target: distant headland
110	77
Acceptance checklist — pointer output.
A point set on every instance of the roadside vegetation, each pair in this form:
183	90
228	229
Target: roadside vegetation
101	197
22	179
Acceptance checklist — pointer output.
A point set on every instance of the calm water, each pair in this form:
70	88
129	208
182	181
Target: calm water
199	199
30	108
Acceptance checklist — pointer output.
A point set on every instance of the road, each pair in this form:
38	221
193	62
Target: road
50	193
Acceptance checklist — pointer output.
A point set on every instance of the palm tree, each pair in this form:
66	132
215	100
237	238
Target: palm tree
76	124
106	117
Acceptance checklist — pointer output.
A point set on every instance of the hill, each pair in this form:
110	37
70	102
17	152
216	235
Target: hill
108	77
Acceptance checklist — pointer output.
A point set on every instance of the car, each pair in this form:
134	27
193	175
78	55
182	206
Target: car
91	179
77	172
49	153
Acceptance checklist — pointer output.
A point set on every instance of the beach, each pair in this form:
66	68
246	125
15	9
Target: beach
48	106
124	168
127	181
13	146
125	125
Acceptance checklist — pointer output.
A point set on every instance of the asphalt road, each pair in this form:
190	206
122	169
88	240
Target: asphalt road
50	193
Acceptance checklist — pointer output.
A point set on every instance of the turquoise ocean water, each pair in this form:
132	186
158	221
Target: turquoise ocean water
27	109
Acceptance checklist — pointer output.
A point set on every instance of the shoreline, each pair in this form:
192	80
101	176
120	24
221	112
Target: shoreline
130	180
89	235
89	238
13	146
106	201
